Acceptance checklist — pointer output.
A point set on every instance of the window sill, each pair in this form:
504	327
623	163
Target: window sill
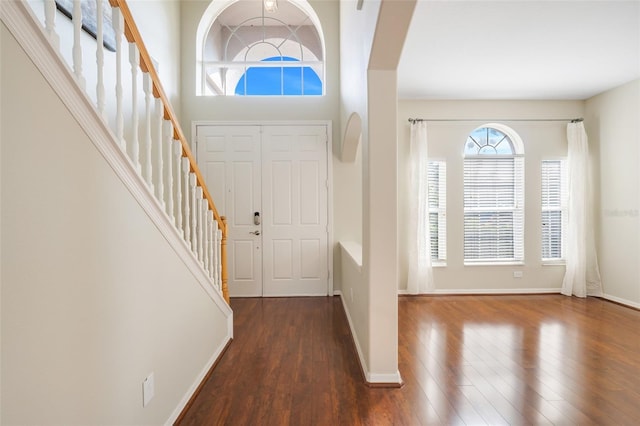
561	262
438	264
506	263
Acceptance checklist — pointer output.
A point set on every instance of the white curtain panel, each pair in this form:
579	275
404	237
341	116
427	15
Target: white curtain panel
420	278
582	277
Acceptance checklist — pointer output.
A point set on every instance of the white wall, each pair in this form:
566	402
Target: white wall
159	24
613	126
348	177
93	297
371	59
237	108
542	140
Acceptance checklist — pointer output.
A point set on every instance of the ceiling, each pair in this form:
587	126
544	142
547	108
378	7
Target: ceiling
238	13
519	49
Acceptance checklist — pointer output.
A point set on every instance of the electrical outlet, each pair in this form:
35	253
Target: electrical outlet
148	389
517	274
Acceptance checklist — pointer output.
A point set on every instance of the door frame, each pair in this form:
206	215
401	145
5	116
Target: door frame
328	124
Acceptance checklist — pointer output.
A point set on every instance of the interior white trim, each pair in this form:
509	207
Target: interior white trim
393	378
329	147
455	291
20	21
198	380
622	301
370	377
452	292
354	338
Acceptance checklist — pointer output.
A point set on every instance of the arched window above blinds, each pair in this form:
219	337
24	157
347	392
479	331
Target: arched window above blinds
250	51
493	196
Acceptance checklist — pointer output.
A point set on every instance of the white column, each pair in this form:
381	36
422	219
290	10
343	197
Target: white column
380	226
167	135
186	199
212	244
219	259
206	244
133	144
177	178
148	95
77	47
118	27
193	219
100	58
158	170
50	23
200	222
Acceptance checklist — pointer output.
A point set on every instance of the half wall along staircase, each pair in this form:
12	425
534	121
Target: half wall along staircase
124	89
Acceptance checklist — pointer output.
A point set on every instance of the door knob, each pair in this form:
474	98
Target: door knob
255	232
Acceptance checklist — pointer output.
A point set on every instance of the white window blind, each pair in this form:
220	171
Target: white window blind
493	199
438	209
554	201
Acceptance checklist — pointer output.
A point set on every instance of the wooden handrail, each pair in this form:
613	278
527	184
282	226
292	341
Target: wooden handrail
146	64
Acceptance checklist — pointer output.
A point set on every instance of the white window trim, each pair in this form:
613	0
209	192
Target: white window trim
441	211
519	207
563	209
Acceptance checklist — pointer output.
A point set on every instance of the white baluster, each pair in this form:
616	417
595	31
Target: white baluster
219	258
177	155
118	26
50	22
146	170
200	222
194	213
214	252
167	135
159	166
77	48
206	243
134	145
100	58
185	196
212	246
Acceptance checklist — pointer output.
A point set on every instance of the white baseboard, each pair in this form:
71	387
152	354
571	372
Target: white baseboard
384	378
372	378
354	336
456	291
452	292
621	301
192	389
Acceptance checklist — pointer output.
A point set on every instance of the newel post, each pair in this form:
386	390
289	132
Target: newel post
223	260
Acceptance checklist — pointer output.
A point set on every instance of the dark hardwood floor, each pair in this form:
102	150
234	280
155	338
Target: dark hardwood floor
471	360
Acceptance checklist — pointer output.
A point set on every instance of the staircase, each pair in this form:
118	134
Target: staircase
133	127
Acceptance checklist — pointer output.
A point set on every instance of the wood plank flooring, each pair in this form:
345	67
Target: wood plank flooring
472	360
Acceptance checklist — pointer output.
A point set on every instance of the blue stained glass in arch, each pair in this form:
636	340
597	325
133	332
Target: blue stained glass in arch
287	81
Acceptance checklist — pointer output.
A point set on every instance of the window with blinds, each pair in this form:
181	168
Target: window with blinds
554	202
493	198
438	210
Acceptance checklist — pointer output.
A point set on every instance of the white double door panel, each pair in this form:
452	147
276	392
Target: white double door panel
281	173
229	158
294	202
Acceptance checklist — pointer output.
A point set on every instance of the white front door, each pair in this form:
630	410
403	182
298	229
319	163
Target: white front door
229	158
279	172
294	202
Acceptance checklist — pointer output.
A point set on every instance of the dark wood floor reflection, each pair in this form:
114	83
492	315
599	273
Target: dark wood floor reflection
464	360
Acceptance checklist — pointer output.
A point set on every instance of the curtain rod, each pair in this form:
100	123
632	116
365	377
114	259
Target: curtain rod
572	120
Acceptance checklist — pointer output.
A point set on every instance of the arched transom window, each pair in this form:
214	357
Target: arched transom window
249	50
493	196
